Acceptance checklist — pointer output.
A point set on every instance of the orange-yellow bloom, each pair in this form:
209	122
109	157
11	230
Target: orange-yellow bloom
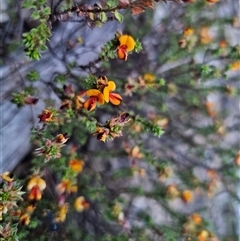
81	204
126	44
6	176
24	219
196	218
187	196
36	181
61	213
172	191
65	186
46	116
188	31
95	96
114	98
205	36
76	165
235	66
203	235
35	193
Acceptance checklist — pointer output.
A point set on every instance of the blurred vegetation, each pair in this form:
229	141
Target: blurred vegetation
156	162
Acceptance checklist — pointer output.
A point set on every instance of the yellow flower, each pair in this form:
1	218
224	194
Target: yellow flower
81	204
6	177
203	235
135	153
36	181
24	219
114	98
187	196
47	116
188	31
101	133
172	191
126	44
235	66
76	165
205	36
3	209
196	218
95	96
65	186
61	213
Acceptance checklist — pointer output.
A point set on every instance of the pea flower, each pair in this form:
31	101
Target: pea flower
187	196
61	213
95	96
76	165
114	98
65	186
81	204
126	44
48	115
35	187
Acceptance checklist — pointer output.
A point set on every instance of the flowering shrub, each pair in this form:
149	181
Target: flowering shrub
149	116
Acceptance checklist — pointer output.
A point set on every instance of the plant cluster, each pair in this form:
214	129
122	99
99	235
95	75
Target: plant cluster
65	189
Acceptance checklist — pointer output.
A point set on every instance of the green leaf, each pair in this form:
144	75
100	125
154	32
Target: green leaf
35	15
103	17
112	3
47	11
118	16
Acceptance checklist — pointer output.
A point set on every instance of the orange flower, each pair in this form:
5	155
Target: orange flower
61	213
114	98
95	96
65	186
196	218
187	196
172	191
205	36
101	133
81	204
76	165
188	31
36	181
235	66
126	44
36	185
203	235
24	219
35	193
6	176
210	109
135	152
46	116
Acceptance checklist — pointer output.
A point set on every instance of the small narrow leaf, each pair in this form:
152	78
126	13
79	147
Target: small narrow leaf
118	16
103	17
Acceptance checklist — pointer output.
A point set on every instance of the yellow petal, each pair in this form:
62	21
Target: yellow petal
128	41
106	94
100	98
93	92
111	85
